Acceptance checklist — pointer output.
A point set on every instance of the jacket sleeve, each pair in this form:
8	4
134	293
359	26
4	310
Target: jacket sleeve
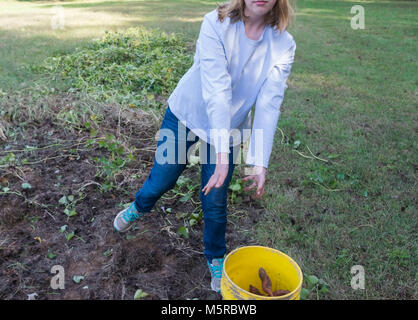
267	110
216	84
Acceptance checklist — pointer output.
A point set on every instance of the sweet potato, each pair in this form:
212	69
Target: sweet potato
266	285
265	281
254	290
279	293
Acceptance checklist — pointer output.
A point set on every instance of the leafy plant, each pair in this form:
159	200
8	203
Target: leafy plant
70	203
314	285
113	163
8	159
78	279
26	185
183	231
51	255
184	189
195	217
139	294
70	235
108	253
236	186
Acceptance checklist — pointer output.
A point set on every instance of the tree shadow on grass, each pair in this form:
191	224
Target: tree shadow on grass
183	16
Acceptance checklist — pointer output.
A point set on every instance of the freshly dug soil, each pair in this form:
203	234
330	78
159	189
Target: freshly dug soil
151	256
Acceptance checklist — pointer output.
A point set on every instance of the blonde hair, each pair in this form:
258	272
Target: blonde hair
279	17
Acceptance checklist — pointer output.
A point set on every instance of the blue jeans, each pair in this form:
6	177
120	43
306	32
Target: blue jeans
163	177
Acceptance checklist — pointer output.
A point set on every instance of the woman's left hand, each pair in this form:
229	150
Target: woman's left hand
259	178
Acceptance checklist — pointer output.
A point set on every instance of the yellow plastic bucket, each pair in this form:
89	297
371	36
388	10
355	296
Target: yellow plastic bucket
241	269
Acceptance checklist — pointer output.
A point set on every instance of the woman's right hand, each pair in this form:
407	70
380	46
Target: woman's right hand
220	174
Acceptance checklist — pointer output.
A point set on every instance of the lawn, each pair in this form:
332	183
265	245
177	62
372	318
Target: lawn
342	179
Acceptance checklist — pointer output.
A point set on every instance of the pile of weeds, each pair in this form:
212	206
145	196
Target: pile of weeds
136	67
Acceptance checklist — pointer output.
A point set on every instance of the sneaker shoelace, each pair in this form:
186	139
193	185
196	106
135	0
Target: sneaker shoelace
131	214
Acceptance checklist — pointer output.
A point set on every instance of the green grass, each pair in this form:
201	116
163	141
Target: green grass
351	100
352	93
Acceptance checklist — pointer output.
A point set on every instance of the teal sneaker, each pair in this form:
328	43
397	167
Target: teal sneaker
125	219
215	269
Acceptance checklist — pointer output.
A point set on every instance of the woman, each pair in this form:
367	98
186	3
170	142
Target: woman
243	56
